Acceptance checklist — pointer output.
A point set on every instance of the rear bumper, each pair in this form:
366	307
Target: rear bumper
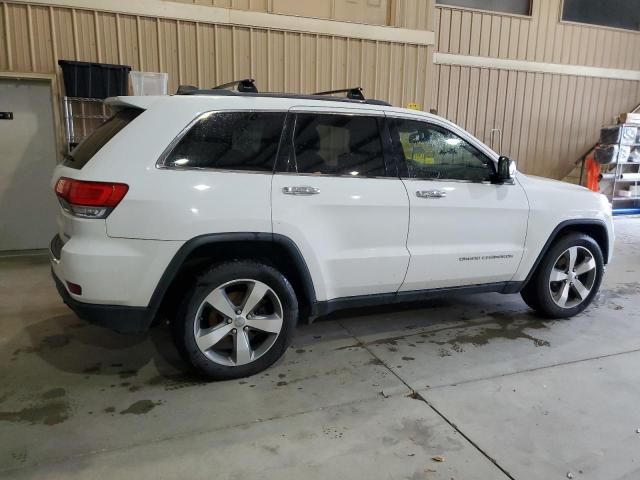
111	271
115	317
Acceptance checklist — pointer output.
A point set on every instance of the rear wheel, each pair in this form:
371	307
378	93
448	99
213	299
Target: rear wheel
237	320
568	278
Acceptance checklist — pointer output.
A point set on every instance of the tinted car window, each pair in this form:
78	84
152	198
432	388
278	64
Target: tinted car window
432	152
338	145
232	141
99	137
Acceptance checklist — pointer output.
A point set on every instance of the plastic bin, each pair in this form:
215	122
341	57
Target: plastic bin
622	134
94	80
149	83
612	153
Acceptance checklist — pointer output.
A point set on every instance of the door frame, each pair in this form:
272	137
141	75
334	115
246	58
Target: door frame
52	80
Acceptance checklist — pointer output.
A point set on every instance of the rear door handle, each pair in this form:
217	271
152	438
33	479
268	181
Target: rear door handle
300	190
431	194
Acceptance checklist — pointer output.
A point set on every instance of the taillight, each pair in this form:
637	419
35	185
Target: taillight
89	199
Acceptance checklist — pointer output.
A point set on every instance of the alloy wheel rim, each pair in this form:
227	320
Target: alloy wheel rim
238	322
572	277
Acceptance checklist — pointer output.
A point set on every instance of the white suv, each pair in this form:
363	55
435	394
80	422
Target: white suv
236	215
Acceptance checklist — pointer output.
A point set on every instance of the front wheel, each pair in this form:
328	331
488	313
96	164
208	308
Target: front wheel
568	278
238	320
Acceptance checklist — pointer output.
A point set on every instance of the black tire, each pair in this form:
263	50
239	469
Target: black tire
537	293
184	326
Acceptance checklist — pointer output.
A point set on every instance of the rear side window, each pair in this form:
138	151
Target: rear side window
347	145
230	141
100	137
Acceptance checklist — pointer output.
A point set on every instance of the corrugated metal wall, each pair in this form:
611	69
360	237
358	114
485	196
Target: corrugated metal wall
415	14
207	54
539	38
548	121
418	14
34	37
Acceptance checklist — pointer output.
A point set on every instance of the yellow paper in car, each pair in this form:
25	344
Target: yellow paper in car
428	157
417	152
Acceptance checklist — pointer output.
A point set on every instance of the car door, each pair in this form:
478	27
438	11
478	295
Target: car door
337	195
464	229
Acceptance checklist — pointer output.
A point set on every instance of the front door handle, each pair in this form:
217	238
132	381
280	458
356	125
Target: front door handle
431	194
300	190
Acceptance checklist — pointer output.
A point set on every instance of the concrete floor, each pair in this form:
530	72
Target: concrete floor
478	380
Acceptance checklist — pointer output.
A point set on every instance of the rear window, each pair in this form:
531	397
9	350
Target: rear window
230	141
93	143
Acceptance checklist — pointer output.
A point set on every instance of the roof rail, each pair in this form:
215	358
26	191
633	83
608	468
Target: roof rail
353	93
246	85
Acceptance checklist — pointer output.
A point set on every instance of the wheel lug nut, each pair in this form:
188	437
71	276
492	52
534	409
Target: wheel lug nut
238	312
234	331
246	329
228	320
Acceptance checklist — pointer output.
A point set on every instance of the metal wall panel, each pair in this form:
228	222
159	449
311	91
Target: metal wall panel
35	37
418	14
372	12
547	121
542	37
207	54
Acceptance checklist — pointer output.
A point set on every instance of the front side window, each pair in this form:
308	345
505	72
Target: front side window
230	141
434	153
347	145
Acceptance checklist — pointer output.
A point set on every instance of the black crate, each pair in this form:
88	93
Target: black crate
94	80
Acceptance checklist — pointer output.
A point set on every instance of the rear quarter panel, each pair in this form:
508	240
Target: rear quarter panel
165	204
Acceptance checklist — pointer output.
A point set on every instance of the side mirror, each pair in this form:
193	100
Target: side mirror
506	169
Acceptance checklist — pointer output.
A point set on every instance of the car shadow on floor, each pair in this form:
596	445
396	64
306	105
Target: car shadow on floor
74	346
71	345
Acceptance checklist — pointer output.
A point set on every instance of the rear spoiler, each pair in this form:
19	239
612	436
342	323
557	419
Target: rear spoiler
118	103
